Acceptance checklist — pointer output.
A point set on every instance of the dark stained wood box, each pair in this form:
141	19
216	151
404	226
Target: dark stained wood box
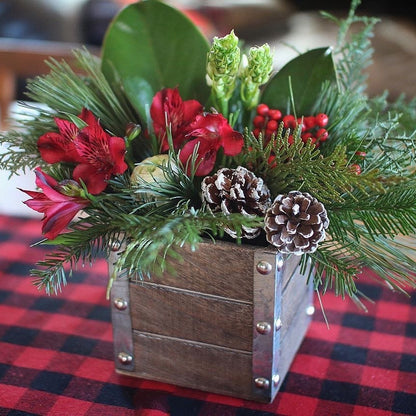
230	321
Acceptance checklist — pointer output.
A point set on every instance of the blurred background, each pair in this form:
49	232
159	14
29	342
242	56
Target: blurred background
32	30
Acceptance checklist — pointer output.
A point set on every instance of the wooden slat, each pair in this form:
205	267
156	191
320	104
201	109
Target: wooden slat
221	269
194	365
196	329
193	316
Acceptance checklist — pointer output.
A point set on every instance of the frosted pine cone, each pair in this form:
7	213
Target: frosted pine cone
236	191
296	223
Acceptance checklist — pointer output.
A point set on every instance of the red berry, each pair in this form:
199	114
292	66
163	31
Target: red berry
355	169
322	135
309	122
258	121
272	125
275	114
306	136
262	109
289	121
321	119
361	154
268	134
256	133
272	161
290	139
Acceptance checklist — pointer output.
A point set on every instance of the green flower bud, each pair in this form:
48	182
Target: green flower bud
70	187
223	61
132	131
254	73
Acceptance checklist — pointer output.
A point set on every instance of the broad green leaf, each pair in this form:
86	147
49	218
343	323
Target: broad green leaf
150	45
303	76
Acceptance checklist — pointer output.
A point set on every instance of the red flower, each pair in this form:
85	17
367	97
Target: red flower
169	110
101	155
58	207
210	132
98	155
60	147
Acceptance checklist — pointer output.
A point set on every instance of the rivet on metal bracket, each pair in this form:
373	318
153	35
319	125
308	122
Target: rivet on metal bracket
310	310
120	304
263	328
264	267
262	383
125	358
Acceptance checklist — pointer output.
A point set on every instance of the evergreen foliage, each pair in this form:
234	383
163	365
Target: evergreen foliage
152	220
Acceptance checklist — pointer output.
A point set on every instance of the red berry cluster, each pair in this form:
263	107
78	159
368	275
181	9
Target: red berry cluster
267	121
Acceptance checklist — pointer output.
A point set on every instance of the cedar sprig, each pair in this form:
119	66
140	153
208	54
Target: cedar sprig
302	166
353	50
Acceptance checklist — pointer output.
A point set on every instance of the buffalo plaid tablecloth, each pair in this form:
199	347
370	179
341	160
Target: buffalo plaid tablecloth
56	352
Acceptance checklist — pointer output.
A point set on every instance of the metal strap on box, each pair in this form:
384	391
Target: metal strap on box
121	319
267	297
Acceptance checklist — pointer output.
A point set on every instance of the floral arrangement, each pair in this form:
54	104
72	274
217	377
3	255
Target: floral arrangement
168	139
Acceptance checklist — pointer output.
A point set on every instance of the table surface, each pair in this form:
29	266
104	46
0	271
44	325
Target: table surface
56	352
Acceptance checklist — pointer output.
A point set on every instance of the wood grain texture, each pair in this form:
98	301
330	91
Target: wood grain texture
196	365
221	269
196	329
190	315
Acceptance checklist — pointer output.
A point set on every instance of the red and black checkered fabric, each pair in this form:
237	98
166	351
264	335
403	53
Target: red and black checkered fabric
56	352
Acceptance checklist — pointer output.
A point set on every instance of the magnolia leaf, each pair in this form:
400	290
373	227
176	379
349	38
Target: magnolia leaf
303	77
149	46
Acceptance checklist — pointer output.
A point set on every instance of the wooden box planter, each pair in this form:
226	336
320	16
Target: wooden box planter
230	321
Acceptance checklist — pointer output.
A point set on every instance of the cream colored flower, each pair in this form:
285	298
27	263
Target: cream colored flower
150	170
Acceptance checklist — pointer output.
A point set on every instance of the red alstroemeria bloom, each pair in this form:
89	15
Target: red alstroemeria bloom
60	147
210	132
58	208
168	109
102	156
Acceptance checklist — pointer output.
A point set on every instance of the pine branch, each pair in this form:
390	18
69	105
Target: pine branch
64	91
387	215
338	264
20	145
152	239
175	192
84	244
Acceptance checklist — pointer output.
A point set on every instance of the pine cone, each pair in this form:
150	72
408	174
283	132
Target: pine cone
236	191
296	223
